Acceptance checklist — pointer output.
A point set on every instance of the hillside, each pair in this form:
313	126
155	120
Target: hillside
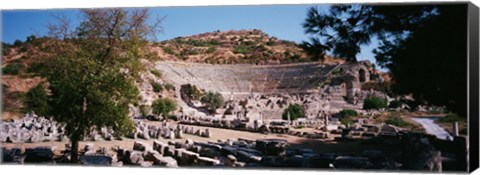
227	47
19	60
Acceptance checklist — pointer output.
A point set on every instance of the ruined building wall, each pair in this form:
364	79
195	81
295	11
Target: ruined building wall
354	75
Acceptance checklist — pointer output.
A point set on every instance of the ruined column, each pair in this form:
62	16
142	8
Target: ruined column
288	118
455	129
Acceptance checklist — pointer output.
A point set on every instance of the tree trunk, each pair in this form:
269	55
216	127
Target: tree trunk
74	151
77	136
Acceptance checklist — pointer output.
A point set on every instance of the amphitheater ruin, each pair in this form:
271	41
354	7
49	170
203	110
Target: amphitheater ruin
321	89
248	131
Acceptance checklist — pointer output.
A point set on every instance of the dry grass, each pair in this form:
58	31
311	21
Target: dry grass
7	116
381	118
462	126
16	83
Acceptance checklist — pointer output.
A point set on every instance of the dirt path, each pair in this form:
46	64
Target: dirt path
432	128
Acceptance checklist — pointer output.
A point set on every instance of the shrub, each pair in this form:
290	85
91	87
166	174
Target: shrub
192	52
37	100
299	127
449	118
163	106
191	91
168	50
17	43
287	53
6	49
19	60
31	38
169	87
374	103
13	68
157	73
17	95
35	67
243	49
395	104
211	49
348	113
157	87
346	121
295	56
23	49
345	116
397	121
213	100
213	43
295	111
270	42
4	88
145	109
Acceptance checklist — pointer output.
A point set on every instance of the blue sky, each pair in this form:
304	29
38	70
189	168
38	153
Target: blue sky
282	21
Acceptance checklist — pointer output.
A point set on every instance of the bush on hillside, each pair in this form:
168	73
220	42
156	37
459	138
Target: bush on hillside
13	68
374	103
163	106
157	87
213	101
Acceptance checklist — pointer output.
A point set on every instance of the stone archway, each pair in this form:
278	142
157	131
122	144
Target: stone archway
352	85
362	76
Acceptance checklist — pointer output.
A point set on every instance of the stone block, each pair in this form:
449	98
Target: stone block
159	146
146	164
39	155
149	155
136	157
165	161
169	151
231	159
95	160
186	157
140	146
206	161
274	147
239	164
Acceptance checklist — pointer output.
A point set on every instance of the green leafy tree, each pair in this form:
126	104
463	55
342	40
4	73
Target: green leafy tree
163	106
90	71
430	62
31	38
423	46
17	43
295	111
213	101
36	100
